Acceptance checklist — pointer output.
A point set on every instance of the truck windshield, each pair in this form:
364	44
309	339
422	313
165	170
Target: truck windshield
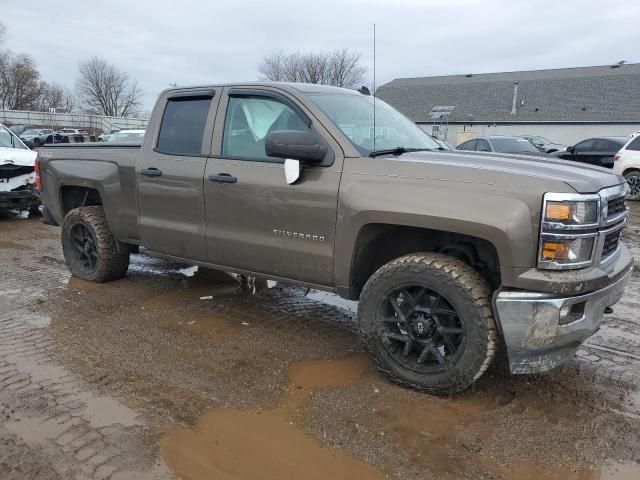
353	115
8	140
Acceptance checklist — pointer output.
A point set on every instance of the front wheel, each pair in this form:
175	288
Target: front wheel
90	249
633	180
427	322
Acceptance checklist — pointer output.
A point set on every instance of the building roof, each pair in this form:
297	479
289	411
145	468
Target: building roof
596	94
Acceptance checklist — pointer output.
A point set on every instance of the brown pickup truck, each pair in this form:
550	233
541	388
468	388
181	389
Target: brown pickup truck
450	254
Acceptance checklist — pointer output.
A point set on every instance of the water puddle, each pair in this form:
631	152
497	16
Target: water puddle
232	444
210	324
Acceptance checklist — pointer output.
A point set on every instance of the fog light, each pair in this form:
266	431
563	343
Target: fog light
571	313
564	311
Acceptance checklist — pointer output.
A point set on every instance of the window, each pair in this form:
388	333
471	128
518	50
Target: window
483	146
634	144
470	145
605	146
353	115
182	126
513	145
585	146
248	122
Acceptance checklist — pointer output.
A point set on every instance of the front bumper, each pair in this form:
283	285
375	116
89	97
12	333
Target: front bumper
536	340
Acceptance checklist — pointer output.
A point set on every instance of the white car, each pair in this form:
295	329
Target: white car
128	136
17	173
627	163
104	137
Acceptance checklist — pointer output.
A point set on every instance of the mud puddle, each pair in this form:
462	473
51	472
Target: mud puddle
232	444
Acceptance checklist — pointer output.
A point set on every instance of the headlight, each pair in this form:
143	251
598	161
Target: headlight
567	252
569	230
572	213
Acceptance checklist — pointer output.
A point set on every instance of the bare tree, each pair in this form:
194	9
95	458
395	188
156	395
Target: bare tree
56	96
20	85
340	68
105	90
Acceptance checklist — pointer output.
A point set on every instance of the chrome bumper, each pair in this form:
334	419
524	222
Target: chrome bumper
536	340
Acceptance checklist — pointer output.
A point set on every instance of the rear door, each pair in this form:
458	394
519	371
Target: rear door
255	220
170	175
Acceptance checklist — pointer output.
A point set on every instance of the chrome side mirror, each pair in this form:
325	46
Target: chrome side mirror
292	170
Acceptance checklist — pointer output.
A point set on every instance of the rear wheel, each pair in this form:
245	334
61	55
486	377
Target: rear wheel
428	323
633	180
90	249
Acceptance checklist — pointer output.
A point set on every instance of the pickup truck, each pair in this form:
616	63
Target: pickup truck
452	256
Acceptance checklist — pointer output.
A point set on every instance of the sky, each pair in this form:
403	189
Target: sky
188	42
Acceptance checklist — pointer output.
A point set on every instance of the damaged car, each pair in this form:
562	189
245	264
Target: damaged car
17	173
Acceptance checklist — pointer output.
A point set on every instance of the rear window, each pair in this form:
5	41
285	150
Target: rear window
182	126
634	144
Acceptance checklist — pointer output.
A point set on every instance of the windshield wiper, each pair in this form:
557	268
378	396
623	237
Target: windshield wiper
396	151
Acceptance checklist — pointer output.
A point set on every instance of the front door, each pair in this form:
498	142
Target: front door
255	220
170	178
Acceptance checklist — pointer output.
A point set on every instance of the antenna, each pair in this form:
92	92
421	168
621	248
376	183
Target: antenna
374	86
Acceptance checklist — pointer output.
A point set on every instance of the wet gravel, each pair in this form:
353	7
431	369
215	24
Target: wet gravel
170	345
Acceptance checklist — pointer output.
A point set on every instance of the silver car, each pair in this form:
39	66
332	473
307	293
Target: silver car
39	136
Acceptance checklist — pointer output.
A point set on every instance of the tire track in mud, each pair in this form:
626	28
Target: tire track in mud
52	424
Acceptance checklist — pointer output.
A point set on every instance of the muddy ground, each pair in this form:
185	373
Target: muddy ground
179	372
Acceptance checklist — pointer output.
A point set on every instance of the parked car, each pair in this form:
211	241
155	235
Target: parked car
73	135
128	136
18	128
627	163
40	136
502	144
17	176
594	151
284	181
544	144
104	137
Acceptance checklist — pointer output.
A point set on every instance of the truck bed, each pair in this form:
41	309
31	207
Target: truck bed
108	168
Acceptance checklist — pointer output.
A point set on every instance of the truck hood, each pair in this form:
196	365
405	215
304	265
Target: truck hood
581	177
17	157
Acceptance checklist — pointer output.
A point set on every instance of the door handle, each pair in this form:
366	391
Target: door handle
223	178
151	172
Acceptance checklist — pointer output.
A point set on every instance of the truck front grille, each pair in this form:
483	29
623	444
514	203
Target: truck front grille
610	243
615	207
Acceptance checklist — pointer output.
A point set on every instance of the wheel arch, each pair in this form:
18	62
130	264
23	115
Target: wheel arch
379	243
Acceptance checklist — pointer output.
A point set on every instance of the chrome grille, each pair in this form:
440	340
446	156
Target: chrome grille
610	244
615	207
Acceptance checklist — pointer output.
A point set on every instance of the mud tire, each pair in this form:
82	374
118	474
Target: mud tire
112	256
467	292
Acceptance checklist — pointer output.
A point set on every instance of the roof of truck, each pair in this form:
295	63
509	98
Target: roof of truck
301	87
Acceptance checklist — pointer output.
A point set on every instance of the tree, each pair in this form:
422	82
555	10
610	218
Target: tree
20	85
340	68
105	90
56	96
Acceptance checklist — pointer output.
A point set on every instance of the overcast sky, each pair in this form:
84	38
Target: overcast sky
188	42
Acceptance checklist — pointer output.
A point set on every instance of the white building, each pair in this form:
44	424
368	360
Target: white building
564	105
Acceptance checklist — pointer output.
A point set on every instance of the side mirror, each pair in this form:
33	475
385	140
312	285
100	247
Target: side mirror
294	144
571	149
